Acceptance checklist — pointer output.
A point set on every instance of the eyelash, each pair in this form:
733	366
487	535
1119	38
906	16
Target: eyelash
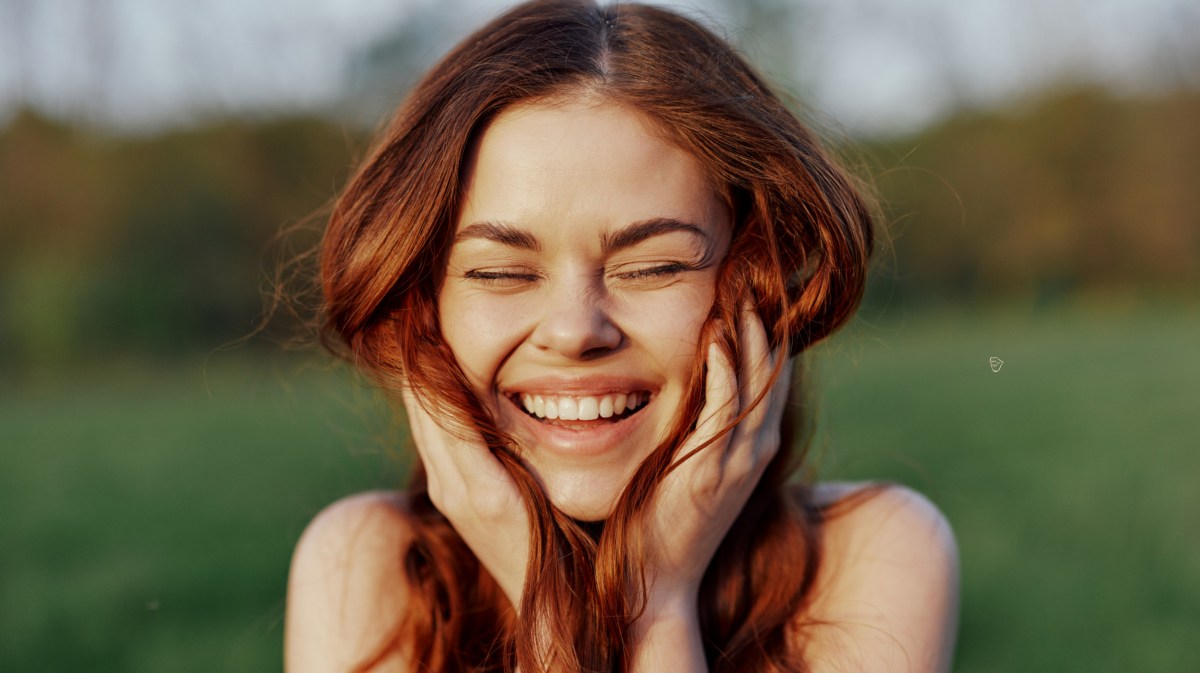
497	277
656	271
494	276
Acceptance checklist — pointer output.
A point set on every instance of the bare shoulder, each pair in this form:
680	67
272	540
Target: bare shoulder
886	597
346	585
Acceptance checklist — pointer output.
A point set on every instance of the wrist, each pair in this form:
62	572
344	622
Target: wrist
666	637
676	609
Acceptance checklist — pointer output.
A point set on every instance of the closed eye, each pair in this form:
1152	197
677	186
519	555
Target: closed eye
664	270
651	272
500	278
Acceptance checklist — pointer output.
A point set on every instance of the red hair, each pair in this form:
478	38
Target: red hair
802	236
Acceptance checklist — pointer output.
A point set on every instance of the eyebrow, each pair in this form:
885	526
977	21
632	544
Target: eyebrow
640	231
627	237
498	232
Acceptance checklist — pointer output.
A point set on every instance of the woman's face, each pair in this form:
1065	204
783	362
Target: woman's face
581	274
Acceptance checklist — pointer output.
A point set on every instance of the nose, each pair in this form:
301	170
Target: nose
576	325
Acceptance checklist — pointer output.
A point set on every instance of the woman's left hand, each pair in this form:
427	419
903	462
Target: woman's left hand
698	501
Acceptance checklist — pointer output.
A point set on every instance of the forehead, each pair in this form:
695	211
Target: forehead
583	161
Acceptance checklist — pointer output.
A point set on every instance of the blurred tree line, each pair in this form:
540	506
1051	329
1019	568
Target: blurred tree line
149	247
1078	192
154	247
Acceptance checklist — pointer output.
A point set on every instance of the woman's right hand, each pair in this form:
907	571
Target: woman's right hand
472	489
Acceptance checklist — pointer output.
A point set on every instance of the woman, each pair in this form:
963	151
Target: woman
582	256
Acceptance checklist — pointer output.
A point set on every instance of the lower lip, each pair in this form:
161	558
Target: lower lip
596	439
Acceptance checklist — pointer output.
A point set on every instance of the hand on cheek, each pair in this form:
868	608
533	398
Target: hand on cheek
474	491
698	501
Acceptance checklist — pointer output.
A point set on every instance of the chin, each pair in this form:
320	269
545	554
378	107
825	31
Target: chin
586	507
583	494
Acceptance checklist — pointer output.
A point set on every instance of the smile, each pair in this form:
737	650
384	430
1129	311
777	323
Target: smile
613	406
598	419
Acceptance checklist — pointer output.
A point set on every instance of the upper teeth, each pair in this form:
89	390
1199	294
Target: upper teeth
587	408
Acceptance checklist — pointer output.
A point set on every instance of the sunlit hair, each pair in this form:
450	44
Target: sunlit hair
802	236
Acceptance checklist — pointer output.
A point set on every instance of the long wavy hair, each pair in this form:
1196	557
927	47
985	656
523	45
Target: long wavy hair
802	237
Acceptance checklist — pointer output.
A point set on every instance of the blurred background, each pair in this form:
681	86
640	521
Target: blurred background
1038	166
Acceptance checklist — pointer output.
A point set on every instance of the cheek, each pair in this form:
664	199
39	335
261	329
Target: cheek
481	331
671	322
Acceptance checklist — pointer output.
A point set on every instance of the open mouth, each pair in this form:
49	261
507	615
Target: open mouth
554	409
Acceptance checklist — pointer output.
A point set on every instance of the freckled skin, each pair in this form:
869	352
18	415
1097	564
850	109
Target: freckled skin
569	174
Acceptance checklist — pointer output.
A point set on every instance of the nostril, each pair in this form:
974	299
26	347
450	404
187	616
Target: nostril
576	324
600	351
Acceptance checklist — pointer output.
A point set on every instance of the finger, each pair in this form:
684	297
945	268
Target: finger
437	472
758	365
452	463
720	399
460	461
780	392
419	423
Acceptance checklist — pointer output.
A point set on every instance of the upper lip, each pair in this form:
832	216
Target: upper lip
583	385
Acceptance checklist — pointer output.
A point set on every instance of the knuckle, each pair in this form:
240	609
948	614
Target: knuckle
741	466
771	442
749	462
449	502
703	475
490	504
436	496
706	489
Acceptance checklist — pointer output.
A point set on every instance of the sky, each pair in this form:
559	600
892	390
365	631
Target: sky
873	66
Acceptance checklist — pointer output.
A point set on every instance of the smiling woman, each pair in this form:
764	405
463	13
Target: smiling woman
580	233
582	258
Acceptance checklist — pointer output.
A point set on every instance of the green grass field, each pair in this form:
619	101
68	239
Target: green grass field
147	517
